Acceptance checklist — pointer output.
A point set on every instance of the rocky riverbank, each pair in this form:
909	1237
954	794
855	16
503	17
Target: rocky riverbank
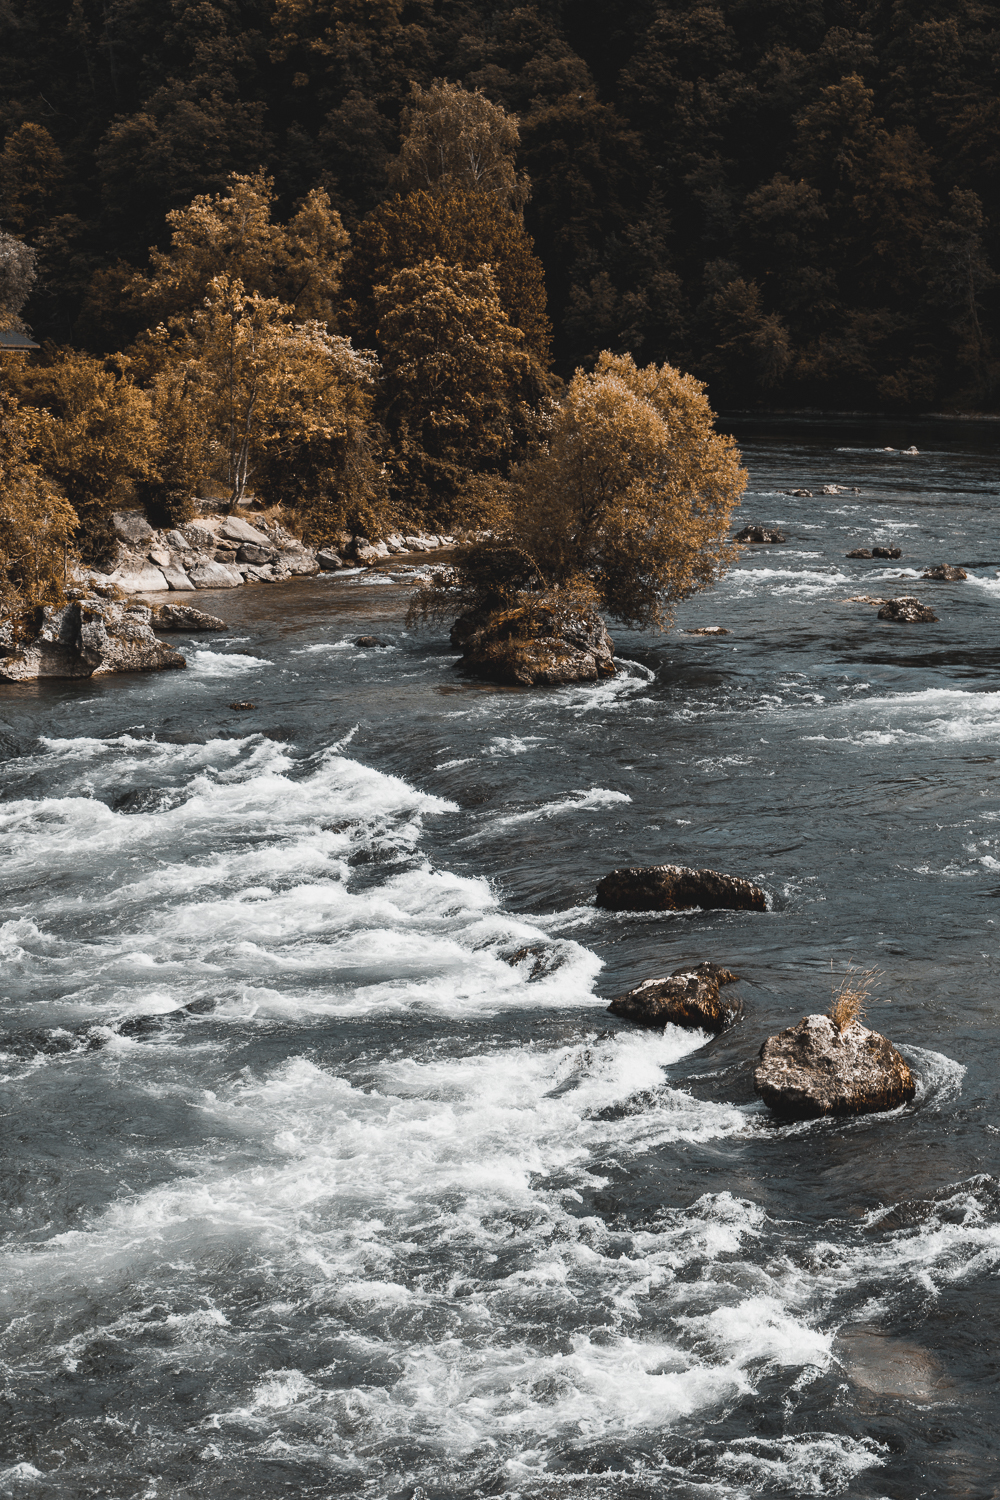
223	552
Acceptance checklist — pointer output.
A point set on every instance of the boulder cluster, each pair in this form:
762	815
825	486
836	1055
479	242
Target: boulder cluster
823	1066
223	552
761	535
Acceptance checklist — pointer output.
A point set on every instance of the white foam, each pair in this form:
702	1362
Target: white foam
224	664
578	801
786	580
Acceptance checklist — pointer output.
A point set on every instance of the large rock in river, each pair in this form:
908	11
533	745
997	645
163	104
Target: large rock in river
89	638
184	617
687	997
814	1069
676	888
907	610
539	647
945	573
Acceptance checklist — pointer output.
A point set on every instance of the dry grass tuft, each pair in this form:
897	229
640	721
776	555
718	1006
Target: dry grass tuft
850	998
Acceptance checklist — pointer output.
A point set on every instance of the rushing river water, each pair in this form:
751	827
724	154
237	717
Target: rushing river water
309	1191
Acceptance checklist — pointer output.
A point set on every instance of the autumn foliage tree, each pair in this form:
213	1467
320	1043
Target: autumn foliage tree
37	523
626	505
247	397
232	234
96	437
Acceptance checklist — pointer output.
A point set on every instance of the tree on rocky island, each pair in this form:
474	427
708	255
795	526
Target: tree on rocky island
625	507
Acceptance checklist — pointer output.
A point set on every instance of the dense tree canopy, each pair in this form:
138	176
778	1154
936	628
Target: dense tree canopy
796	202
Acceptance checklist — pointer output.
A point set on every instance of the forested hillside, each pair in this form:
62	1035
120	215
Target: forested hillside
797	201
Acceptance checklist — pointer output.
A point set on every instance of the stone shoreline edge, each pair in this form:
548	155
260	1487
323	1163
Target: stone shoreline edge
226	551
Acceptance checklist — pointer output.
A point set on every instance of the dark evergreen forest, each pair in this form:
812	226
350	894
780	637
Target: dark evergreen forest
797	201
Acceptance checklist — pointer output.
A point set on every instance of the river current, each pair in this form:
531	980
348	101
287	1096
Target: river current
309	1190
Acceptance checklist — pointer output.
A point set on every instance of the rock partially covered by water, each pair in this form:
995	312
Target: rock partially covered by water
907	610
814	1069
945	573
88	638
887	552
758	533
860	552
677	888
536	648
709	630
688	997
183	617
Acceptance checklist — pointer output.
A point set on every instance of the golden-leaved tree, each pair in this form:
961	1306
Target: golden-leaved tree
96	437
456	379
37	522
229	234
626	506
247	397
457	139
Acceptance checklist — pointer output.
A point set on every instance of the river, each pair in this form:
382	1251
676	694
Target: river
309	1190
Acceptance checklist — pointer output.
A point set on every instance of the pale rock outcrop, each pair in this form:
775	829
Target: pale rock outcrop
815	1069
183	617
142	580
86	638
214	575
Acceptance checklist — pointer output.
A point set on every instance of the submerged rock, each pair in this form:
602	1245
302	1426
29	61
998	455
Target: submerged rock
540	647
814	1069
709	630
184	617
907	610
88	638
687	997
945	573
677	888
762	534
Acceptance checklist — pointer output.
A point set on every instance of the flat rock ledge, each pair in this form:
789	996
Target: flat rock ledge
677	888
543	650
86	638
688	997
813	1069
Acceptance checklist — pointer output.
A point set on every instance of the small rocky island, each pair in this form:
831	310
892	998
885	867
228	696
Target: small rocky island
690	997
820	1068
